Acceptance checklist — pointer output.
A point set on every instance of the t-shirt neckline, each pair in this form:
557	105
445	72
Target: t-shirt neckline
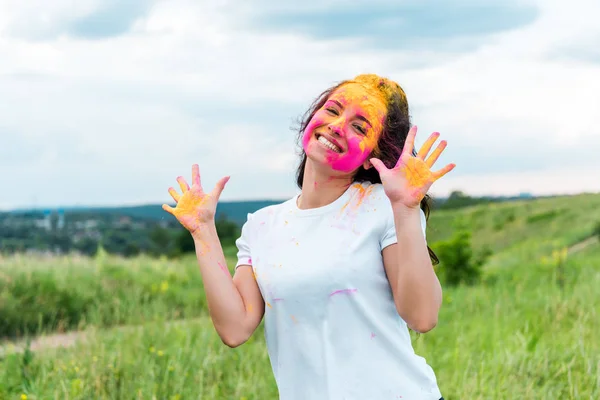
336	204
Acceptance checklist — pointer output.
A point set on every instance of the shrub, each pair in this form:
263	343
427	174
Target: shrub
544	216
458	263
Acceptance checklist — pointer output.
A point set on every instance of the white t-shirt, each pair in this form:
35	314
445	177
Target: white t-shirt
331	325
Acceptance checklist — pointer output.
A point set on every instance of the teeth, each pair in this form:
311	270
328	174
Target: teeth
329	144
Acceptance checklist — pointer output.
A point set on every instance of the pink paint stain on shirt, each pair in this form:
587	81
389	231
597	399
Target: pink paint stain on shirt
347	291
373	335
250	260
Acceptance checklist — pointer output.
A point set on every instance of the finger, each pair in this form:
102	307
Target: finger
436	154
183	184
378	165
438	174
409	143
196	175
427	145
219	187
174	194
168	209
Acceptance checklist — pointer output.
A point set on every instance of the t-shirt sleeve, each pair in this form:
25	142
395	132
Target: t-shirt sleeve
243	243
389	236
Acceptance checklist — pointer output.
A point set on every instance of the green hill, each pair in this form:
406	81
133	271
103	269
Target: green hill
520	232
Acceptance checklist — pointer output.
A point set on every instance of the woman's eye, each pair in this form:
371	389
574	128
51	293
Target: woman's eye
360	129
332	110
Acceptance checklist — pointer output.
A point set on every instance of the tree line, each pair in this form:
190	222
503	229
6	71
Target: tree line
86	232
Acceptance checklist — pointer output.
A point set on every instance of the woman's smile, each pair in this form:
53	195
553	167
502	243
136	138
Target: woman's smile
329	143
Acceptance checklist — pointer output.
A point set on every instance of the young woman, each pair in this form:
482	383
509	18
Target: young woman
341	270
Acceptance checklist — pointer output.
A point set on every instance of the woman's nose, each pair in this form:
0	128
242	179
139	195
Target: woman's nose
335	129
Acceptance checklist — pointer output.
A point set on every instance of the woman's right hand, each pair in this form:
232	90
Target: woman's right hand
194	208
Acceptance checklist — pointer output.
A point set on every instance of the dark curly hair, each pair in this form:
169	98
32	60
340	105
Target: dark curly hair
391	142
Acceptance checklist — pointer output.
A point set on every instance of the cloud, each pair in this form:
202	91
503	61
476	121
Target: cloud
113	18
441	25
116	119
90	19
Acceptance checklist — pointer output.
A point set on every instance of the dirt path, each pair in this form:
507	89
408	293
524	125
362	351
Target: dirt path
583	244
42	342
69	339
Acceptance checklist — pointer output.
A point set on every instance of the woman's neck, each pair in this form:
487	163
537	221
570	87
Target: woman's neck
320	188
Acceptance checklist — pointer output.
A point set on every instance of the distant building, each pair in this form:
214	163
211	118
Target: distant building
525	195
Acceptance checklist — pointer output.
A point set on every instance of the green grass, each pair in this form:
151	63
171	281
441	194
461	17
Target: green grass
40	295
160	360
529	330
527	340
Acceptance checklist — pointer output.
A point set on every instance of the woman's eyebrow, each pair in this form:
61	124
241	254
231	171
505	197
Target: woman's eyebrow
363	119
357	115
337	103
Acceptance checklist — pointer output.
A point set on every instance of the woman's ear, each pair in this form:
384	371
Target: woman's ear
367	164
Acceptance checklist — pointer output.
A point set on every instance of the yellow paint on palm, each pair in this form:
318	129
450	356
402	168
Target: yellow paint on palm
190	209
417	173
189	203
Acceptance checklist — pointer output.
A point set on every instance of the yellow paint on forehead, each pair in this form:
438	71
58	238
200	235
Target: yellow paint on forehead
371	102
386	87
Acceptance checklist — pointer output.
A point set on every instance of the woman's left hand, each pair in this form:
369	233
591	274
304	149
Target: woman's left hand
408	182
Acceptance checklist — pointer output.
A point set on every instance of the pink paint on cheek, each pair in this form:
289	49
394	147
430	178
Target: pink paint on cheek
308	132
356	154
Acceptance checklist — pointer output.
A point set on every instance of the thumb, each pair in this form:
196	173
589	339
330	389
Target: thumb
220	186
378	164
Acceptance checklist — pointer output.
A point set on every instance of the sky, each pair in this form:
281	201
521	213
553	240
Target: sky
106	102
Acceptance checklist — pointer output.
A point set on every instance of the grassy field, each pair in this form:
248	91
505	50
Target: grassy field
529	330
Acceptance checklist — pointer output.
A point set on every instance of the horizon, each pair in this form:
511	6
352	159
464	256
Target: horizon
516	197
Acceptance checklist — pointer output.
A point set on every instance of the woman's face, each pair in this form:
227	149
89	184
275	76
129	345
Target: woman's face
344	132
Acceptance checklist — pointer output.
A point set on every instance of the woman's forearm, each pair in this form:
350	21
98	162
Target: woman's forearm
225	303
418	290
